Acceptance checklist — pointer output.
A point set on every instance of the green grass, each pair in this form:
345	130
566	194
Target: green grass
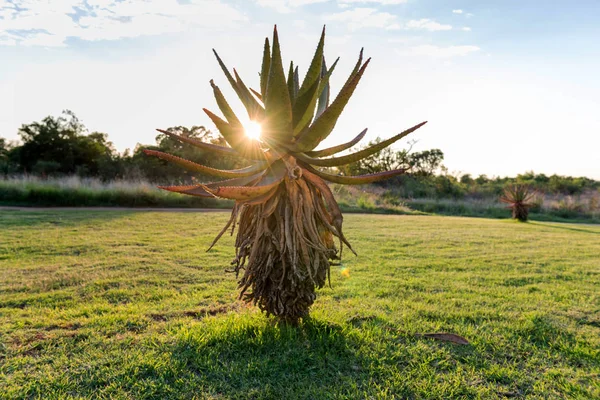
128	305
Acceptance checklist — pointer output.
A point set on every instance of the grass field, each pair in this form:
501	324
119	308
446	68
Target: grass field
128	305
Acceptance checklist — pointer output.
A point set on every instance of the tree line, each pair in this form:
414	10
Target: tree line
60	146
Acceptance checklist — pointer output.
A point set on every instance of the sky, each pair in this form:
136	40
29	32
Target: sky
507	86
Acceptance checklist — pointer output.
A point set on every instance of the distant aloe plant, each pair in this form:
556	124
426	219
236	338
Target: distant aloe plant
519	199
285	213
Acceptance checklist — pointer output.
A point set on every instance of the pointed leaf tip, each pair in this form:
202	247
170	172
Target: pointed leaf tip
278	106
264	70
322	126
200	144
336	149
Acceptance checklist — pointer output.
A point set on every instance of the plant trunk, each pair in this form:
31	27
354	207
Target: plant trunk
284	245
520	212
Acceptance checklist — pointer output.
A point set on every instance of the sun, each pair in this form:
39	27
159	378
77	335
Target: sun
253	130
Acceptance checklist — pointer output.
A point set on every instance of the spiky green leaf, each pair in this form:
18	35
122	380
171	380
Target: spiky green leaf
355	180
322	126
255	111
278	107
264	72
232	81
258	95
336	149
290	82
296	83
304	108
224	106
226	151
359	155
314	70
233	134
253	108
324	96
356	67
192	166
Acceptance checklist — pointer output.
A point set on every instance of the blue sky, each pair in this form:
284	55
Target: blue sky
507	86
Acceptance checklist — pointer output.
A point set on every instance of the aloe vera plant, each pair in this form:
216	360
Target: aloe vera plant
519	199
286	215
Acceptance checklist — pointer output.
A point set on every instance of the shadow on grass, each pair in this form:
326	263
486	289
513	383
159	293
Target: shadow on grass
544	332
246	357
249	358
66	218
269	361
317	360
565	228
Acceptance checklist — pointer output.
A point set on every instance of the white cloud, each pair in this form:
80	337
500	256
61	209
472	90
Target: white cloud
345	3
7	42
364	18
42	39
427	24
50	23
358	18
466	29
442	52
468	15
286	6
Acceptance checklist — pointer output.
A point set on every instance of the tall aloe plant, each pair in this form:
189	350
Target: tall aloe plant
286	215
519	198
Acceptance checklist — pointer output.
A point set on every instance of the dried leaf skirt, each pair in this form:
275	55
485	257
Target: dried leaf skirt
284	246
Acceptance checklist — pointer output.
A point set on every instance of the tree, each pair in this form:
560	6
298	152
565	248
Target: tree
4	149
4	157
482	179
384	160
425	163
466	179
61	146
